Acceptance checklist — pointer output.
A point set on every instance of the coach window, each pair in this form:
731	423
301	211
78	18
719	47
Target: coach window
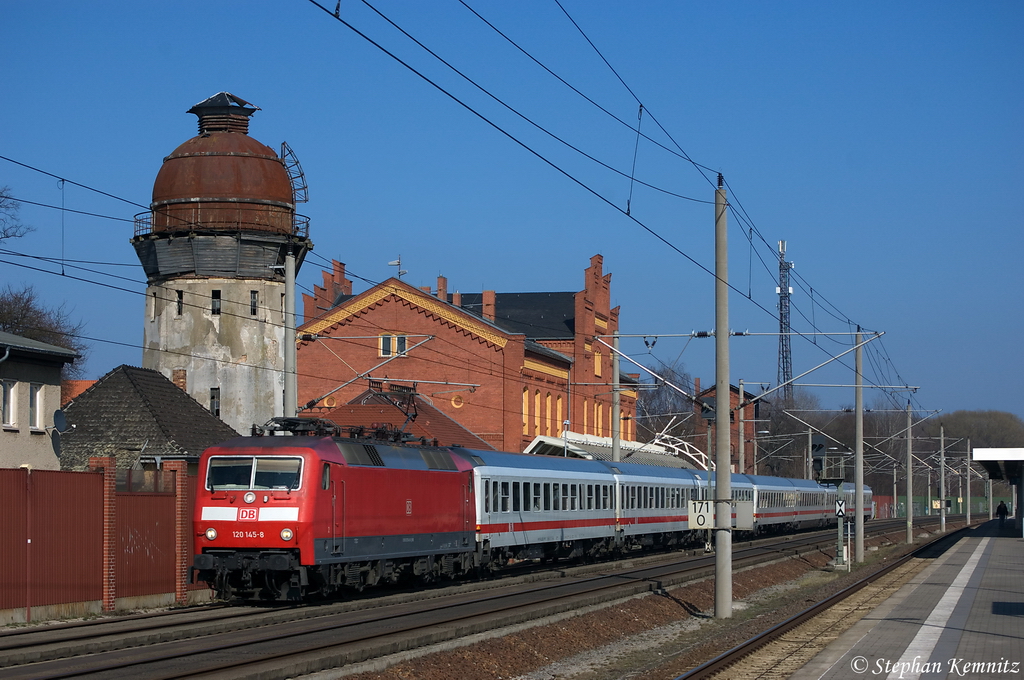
504	496
547	495
527	497
555	488
515	497
565	497
494	495
572	497
325	478
604	496
590	496
487	495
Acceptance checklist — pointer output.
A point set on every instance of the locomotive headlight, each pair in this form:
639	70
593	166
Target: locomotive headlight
249	497
287	534
211	534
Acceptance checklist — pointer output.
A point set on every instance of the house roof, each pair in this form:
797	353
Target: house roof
349	306
371	408
136	412
29	346
544	316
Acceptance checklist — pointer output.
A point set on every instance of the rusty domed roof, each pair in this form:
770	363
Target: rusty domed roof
223	179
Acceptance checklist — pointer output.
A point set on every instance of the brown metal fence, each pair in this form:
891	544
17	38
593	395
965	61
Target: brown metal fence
51	542
51	550
145	544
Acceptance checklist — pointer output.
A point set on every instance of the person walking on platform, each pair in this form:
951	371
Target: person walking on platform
1002	512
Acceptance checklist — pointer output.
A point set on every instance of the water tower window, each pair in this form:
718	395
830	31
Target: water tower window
180	302
254	298
215	302
215	401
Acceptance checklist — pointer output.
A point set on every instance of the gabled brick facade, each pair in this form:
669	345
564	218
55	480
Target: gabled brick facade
506	366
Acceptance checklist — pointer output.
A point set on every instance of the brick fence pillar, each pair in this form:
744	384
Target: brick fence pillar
182	525
107	466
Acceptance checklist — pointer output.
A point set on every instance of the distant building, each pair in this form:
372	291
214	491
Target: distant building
29	394
214	246
751	414
506	366
139	417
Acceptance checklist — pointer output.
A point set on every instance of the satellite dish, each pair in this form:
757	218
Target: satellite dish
59	421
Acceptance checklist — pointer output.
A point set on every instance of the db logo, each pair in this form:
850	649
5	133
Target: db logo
247	514
408	507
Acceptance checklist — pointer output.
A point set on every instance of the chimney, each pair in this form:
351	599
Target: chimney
442	288
223	112
488	300
180	379
457	299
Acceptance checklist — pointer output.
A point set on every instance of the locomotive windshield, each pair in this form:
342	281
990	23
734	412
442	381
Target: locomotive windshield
253	472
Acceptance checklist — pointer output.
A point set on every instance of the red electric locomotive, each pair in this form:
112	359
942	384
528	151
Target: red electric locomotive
283	517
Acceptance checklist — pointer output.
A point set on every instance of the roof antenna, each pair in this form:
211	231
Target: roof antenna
337	10
398	263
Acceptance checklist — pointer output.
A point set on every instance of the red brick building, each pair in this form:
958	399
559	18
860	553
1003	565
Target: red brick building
751	414
506	366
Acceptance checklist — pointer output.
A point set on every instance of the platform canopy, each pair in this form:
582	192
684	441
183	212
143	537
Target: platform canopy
1001	463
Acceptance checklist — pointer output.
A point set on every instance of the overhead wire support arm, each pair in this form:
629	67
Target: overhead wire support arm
641	366
313	402
824	363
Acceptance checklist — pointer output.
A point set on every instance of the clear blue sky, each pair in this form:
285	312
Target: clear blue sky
881	140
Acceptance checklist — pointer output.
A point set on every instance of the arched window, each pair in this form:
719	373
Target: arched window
558	415
526	410
536	413
547	414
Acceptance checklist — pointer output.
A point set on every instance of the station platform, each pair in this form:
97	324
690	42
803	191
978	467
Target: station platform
960	617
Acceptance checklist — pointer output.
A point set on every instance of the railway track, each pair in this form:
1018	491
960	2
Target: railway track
289	641
797	639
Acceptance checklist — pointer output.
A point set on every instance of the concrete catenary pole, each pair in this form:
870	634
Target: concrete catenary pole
910	478
290	375
967	469
858	455
942	479
616	401
723	462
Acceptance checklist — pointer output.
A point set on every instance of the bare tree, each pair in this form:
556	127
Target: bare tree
22	313
660	406
10	223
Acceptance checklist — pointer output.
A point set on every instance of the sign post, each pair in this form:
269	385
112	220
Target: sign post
840	516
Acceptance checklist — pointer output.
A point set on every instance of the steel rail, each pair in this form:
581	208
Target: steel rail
721	662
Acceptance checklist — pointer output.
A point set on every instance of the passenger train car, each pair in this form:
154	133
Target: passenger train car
290	516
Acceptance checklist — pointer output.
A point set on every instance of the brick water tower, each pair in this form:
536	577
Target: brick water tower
219	245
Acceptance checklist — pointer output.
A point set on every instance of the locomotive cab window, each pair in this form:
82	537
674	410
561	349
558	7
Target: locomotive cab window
247	472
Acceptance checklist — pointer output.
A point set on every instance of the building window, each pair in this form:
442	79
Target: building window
215	401
597	364
390	345
35	406
152	306
558	415
180	302
215	302
547	414
8	407
526	410
254	299
536	413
